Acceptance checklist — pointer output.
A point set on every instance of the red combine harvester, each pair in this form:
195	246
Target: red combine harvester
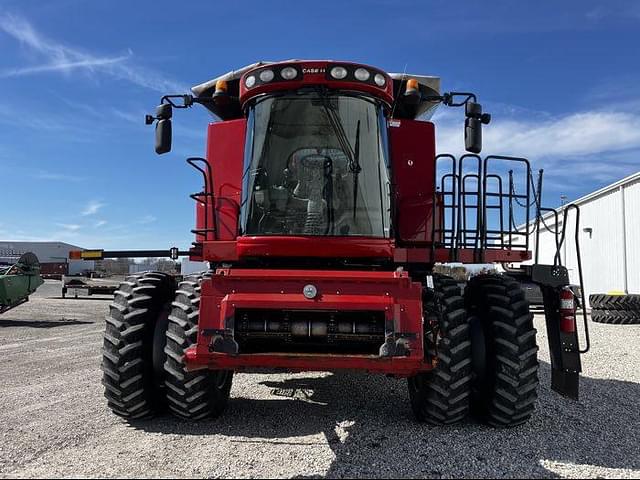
323	212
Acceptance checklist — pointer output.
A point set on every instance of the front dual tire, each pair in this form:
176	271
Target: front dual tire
484	344
201	393
441	396
486	354
149	326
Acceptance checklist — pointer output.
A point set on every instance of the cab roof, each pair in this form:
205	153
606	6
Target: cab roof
429	85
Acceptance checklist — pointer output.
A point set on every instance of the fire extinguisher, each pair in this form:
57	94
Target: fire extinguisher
567	310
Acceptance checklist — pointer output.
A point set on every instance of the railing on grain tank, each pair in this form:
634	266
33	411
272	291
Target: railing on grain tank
480	207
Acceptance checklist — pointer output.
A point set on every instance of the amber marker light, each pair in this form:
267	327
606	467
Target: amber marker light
221	87
412	86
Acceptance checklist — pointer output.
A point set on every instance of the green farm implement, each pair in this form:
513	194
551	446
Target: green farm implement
18	281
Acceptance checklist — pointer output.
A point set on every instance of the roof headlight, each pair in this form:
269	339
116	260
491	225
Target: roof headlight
362	74
266	75
338	73
289	73
250	81
379	79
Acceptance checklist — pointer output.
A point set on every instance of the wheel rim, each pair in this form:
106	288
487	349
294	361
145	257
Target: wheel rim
159	344
478	351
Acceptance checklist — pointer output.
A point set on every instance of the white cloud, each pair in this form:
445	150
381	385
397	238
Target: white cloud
92	208
578	151
147	219
69	226
61	58
100	223
64	66
573	135
44	175
135	118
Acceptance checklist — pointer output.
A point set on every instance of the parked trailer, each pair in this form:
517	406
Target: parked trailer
90	285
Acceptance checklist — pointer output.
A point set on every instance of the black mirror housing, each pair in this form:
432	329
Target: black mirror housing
472	109
473	135
164	111
163	136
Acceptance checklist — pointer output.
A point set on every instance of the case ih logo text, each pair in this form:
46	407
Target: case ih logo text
313	70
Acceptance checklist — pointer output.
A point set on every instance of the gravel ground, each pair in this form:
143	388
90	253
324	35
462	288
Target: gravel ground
54	421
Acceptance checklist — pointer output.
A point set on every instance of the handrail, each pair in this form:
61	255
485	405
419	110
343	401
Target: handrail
579	261
208	185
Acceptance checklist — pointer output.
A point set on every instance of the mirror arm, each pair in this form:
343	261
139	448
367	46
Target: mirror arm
211	100
474	117
187	100
449	98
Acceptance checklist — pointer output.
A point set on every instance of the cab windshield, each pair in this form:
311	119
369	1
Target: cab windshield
316	164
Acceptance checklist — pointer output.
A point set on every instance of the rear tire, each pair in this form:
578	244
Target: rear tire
629	303
201	393
505	382
615	309
140	304
441	396
616	317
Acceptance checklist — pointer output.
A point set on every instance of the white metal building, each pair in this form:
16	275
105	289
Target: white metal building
47	253
609	234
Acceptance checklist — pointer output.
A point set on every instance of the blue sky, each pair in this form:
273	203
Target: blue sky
77	77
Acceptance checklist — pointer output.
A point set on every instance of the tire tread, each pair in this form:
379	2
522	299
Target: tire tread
508	396
126	360
441	397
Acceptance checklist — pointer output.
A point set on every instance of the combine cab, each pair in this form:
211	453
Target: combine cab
18	281
324	209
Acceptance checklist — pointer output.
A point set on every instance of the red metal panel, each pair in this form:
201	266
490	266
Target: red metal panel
333	247
464	255
398	366
341	275
392	292
412	159
219	251
201	211
225	153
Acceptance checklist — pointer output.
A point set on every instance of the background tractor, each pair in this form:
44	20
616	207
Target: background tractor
323	212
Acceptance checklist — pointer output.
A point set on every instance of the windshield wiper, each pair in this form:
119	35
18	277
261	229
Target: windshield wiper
352	154
356	171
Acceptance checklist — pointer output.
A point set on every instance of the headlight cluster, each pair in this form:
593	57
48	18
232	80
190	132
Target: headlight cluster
361	74
267	75
332	72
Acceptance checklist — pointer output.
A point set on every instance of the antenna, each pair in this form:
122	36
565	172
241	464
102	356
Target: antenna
395	100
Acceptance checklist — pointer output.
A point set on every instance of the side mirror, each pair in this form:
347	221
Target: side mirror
163	136
473	135
473	126
163	128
